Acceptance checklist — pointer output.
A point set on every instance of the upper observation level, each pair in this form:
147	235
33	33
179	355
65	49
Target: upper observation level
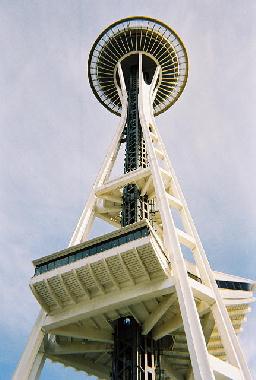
121	43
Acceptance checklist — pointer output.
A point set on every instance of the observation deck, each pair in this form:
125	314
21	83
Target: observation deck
121	42
125	273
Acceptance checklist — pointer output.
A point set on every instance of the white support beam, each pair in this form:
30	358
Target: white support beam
167	327
77	348
131	311
152	195
81	285
146	186
98	284
82	364
111	198
126	270
224	369
52	294
159	311
106	210
114	300
166	174
141	263
159	153
117	183
82	332
154	137
39	298
176	322
108	219
114	281
32	360
68	292
84	224
37	367
194	333
186	239
232	345
202	292
174	202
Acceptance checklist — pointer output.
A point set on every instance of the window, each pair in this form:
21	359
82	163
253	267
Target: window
72	258
51	265
92	250
79	255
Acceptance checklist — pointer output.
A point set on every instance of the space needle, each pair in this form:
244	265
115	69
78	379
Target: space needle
142	301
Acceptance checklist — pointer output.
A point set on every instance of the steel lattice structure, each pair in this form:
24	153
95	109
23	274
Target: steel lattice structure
127	305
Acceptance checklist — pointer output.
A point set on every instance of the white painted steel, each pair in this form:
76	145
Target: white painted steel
29	367
111	301
228	335
85	222
192	325
32	360
157	181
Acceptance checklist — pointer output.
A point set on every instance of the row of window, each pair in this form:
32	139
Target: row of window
233	285
92	250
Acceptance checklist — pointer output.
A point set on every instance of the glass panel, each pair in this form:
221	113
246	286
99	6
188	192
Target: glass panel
129	237
78	255
145	231
93	250
115	242
243	285
57	263
107	245
72	258
101	247
51	265
44	268
122	240
137	234
65	261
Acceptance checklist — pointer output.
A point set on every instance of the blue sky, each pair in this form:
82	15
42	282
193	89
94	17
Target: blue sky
51	150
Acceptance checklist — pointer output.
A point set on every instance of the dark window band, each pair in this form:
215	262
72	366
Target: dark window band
92	250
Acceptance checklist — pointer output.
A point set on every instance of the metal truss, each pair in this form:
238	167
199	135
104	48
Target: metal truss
157	182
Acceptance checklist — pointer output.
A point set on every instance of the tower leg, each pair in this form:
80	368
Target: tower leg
85	222
192	325
32	359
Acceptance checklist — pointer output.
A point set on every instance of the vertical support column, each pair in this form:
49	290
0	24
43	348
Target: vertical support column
32	360
192	325
229	339
84	224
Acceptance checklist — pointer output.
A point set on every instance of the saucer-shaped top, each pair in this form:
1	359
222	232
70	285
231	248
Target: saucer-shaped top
158	43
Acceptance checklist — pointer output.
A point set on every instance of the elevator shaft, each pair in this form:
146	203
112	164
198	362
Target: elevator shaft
135	207
135	356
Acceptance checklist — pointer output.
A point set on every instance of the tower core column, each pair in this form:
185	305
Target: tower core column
135	207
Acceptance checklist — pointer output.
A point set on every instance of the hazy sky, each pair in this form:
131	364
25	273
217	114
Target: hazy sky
54	135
